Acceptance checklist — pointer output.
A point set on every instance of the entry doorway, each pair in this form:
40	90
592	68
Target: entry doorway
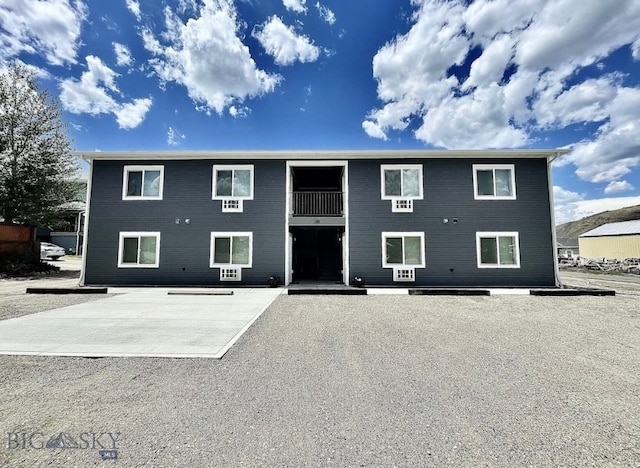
317	253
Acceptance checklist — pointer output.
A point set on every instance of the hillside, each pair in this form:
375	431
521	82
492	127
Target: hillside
575	228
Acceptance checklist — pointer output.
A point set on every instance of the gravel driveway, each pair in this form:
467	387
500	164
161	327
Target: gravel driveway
354	381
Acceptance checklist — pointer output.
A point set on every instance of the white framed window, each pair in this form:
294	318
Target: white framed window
139	250
142	182
498	249
494	181
231	249
403	249
233	182
401	181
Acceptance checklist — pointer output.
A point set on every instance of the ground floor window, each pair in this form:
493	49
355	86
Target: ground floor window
139	250
403	249
498	249
231	249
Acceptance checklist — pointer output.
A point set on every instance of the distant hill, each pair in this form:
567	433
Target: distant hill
575	228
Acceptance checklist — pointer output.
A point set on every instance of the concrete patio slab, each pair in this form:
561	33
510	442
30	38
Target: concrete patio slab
139	322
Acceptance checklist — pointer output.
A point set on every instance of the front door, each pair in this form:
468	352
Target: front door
317	254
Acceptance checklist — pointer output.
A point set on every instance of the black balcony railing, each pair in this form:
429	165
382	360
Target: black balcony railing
317	203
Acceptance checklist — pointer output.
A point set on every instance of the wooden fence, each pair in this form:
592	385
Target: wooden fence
16	238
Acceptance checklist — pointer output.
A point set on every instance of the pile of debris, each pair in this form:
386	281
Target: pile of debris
628	265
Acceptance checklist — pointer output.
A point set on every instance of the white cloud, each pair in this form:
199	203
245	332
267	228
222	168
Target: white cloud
283	44
134	8
123	54
174	136
131	114
239	111
526	79
373	130
583	208
207	57
618	186
325	13
94	94
295	5
49	28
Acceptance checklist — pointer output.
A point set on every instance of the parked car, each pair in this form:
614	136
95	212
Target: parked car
50	251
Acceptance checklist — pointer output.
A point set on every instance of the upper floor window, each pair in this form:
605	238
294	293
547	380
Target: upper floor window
494	182
232	184
498	250
401	184
142	182
139	250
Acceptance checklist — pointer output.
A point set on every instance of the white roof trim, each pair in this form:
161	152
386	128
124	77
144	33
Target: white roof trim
551	154
615	229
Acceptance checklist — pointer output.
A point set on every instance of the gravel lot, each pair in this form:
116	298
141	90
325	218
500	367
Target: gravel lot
357	381
14	302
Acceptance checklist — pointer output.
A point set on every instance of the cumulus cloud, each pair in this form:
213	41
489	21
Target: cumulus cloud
325	13
50	28
134	8
239	111
618	186
94	94
525	78
208	58
579	209
123	55
283	44
295	5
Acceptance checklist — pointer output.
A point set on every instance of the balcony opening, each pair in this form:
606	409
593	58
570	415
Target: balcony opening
317	191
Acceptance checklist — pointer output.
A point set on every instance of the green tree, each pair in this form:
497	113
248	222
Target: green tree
36	165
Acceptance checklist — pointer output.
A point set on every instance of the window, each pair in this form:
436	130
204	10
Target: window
142	183
231	249
403	249
401	181
494	182
233	182
498	250
232	185
139	250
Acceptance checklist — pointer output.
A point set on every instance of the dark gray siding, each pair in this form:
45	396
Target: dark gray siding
451	248
184	248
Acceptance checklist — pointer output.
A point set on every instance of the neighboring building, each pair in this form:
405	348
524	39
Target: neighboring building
568	247
612	241
404	218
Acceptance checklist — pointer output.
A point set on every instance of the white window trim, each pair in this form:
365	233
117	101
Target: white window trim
484	167
231	167
138	234
403	265
217	235
125	182
495	235
384	167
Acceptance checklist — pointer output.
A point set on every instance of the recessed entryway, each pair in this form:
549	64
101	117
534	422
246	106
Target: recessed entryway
317	254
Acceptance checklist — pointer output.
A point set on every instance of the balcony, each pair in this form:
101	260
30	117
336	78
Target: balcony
317	203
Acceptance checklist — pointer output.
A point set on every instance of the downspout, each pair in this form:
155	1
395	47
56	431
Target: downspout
85	235
556	269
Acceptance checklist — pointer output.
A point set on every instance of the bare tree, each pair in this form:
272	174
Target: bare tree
36	164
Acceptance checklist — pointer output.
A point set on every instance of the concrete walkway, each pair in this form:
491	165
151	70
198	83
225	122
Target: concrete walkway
139	322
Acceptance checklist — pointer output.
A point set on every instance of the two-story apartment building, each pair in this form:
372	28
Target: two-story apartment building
418	218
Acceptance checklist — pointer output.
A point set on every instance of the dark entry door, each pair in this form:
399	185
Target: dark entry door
317	254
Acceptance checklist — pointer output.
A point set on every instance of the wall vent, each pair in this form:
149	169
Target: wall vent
230	274
404	274
402	205
231	206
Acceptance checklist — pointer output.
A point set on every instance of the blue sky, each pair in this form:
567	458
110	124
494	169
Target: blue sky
356	74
